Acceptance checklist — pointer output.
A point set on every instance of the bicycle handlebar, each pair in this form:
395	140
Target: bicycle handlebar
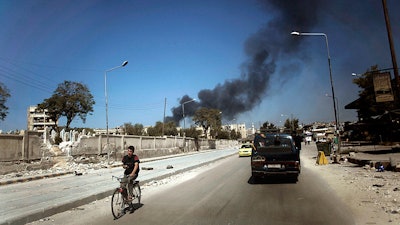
119	178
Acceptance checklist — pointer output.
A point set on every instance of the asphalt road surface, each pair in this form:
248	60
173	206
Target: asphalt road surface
224	193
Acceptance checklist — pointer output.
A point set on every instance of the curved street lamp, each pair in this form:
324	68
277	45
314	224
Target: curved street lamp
296	33
105	93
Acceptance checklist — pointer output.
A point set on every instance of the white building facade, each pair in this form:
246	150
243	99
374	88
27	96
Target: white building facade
38	120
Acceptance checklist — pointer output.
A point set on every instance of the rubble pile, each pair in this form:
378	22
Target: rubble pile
55	159
366	187
61	164
383	189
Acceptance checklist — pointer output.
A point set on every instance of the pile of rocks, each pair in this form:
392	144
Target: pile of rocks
383	189
373	193
59	164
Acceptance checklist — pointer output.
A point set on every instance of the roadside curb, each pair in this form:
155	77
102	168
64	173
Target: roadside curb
31	178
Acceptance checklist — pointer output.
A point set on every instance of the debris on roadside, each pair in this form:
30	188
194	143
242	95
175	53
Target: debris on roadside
78	173
147	168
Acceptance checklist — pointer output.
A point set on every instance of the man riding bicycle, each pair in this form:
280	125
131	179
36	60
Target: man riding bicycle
130	163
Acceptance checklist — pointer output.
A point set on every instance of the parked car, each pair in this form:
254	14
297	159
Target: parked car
275	154
246	149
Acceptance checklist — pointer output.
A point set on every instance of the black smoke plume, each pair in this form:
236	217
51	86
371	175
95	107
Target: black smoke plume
263	49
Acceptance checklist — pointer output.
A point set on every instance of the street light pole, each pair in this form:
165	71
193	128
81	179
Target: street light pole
330	69
183	114
338	112
105	93
392	51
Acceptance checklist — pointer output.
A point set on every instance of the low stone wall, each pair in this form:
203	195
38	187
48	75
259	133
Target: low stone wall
20	147
30	146
10	147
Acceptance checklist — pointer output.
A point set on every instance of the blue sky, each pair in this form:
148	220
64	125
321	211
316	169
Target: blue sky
180	48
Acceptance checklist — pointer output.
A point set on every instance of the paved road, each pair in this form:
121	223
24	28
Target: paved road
223	193
21	203
227	195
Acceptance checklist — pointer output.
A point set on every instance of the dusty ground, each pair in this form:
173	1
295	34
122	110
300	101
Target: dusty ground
374	197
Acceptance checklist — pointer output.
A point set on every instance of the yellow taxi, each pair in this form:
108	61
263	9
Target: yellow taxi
246	149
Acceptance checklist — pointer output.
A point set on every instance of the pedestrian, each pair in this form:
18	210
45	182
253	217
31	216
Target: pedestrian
308	139
130	163
297	140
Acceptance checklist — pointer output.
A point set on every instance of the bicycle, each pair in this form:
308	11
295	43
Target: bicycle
122	200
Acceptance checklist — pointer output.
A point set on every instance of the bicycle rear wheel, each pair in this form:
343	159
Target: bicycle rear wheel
136	196
117	204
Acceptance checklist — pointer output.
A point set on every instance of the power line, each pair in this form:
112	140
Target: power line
18	71
13	76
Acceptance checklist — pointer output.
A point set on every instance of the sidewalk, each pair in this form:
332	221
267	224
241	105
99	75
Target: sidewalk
21	203
388	156
372	155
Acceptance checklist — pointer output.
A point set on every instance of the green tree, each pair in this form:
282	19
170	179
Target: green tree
4	94
70	99
170	128
157	130
138	129
192	132
127	128
291	124
268	125
379	120
235	135
224	134
53	106
208	119
229	134
368	107
130	129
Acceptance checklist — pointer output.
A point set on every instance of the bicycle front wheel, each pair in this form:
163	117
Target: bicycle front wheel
117	204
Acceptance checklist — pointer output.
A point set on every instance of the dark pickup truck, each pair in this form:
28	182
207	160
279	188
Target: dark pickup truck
275	154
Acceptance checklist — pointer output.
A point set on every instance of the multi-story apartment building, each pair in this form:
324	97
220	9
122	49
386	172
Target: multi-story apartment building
240	128
38	120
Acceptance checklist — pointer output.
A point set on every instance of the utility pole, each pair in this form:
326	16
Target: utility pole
392	51
163	124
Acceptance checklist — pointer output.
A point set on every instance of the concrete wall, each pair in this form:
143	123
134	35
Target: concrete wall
10	147
20	147
32	145
28	146
145	146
